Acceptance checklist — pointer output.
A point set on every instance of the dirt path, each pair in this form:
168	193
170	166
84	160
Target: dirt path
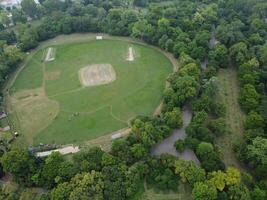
228	94
167	145
105	141
63	151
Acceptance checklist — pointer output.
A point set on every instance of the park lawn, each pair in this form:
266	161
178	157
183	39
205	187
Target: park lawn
31	76
85	113
229	94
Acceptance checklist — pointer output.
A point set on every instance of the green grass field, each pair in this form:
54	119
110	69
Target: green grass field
228	94
48	104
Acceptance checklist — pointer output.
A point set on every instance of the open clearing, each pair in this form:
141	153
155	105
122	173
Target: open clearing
228	94
98	74
47	102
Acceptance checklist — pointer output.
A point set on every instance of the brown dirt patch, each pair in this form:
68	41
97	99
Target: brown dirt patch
98	74
53	75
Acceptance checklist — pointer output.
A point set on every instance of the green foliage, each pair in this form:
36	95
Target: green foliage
219	56
185	88
19	163
173	118
190	69
89	159
254	120
217	126
189	172
210	160
239	192
238	52
50	170
29	7
82	186
180	145
257	151
163	174
18	16
258	194
249	97
204	191
225	179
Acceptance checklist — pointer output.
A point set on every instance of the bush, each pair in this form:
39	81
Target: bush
180	145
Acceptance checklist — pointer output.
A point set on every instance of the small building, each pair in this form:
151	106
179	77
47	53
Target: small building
116	136
99	37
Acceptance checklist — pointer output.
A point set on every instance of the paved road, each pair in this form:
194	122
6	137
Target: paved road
167	145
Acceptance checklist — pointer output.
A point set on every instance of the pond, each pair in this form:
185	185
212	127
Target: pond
167	145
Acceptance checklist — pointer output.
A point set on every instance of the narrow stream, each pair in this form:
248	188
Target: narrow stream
167	146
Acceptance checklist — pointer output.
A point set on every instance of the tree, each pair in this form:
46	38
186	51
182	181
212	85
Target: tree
82	186
238	192
138	151
222	179
53	5
12	56
4	18
142	29
189	172
20	164
18	16
257	151
50	170
141	3
210	160
249	97
204	191
238	53
173	118
217	178
233	176
29	7
254	120
89	159
180	145
66	171
258	194
217	126
185	88
202	39
230	33
190	69
218	56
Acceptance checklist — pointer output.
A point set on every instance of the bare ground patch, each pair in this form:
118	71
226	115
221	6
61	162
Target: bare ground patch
33	112
105	141
98	74
50	54
53	75
131	54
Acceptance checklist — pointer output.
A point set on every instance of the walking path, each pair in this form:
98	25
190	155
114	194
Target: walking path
63	151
